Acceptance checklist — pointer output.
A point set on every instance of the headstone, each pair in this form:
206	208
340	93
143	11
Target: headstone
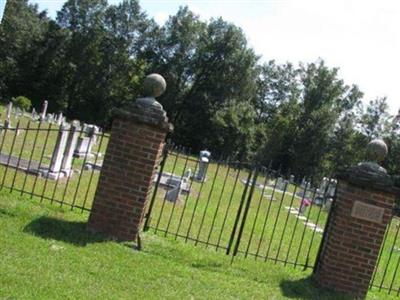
69	149
188	174
292	178
83	147
203	165
44	110
54	172
18	112
34	114
86	143
7	122
92	131
60	119
173	194
49	118
281	184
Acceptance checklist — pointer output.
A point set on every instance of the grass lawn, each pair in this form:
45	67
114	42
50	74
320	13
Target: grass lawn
46	254
206	216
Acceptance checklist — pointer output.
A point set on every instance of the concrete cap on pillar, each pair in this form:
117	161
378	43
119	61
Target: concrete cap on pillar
147	109
154	85
370	173
377	150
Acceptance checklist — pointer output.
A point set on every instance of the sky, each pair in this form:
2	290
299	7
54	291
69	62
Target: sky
360	37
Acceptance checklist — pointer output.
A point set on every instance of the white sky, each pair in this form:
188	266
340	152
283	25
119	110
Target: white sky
361	37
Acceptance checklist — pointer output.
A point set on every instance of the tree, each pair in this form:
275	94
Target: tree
21	28
374	118
303	121
22	102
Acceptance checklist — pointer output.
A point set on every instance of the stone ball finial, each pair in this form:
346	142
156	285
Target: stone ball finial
377	150
154	85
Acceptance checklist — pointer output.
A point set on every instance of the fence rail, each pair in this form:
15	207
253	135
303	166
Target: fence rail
59	164
240	208
386	276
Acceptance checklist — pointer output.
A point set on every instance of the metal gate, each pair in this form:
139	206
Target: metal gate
239	208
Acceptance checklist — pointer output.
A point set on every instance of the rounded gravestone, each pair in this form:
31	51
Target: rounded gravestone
154	85
377	150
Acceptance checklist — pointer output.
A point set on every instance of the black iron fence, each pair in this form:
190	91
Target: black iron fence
56	163
387	274
240	208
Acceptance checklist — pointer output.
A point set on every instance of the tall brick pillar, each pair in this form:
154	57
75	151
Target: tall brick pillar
137	139
362	212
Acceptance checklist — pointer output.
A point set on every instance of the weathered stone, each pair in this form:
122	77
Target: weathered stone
154	85
376	150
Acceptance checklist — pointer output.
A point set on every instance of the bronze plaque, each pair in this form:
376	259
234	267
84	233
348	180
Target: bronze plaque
367	212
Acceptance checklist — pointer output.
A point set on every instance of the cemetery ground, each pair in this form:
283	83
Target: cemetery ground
46	254
206	216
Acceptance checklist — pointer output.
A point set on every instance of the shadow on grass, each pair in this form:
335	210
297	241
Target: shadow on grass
307	289
66	231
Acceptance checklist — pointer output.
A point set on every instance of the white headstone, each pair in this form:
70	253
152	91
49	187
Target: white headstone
60	119
203	165
59	149
69	149
44	110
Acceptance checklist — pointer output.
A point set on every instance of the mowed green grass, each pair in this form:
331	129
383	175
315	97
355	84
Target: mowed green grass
207	216
47	254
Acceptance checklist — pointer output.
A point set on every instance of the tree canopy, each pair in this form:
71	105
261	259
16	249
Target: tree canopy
301	118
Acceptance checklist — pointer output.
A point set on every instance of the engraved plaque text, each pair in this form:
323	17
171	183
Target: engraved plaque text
367	212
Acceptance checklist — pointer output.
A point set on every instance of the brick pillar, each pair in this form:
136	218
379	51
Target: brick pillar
134	150
362	212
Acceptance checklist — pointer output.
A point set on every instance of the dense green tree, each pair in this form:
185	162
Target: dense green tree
22	27
93	57
374	118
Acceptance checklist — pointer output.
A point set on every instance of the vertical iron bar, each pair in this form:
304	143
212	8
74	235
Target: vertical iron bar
305	227
266	219
180	182
186	201
47	178
228	208
390	256
276	222
318	216
69	177
9	156
380	253
239	212
153	198
257	213
326	230
295	227
20	155
286	221
394	275
93	169
41	159
246	211
218	204
165	196
195	206
73	130
31	157
208	201
82	169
